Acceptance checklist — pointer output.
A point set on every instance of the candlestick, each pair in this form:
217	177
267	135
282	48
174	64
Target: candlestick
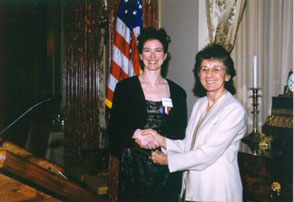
253	139
255	109
255	71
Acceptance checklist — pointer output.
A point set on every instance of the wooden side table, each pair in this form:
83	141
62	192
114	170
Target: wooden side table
266	177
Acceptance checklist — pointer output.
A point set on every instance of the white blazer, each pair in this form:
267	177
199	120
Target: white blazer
212	163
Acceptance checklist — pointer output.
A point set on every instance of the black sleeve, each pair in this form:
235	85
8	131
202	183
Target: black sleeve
176	125
114	122
182	116
125	117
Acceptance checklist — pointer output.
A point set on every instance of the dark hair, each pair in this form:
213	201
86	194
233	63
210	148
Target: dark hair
214	52
150	33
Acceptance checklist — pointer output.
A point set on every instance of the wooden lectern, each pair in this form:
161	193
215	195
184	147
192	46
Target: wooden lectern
24	177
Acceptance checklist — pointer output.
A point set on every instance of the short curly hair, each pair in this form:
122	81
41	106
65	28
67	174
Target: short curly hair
214	51
152	33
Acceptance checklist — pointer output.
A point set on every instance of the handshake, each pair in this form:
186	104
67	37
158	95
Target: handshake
148	139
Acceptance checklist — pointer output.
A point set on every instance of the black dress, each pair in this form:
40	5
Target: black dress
128	113
140	178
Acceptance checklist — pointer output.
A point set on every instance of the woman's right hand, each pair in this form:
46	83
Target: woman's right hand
160	140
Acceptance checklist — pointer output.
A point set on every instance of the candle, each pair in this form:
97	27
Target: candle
105	3
255	72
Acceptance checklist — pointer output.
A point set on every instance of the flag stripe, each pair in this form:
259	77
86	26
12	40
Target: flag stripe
123	30
120	59
117	72
122	45
112	83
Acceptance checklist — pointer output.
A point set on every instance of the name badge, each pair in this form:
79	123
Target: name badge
167	102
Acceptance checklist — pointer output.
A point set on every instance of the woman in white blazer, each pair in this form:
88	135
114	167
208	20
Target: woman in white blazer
208	153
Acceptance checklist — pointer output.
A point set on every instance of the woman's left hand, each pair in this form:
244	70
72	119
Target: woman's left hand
159	157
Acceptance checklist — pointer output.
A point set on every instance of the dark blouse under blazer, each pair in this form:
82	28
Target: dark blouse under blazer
129	112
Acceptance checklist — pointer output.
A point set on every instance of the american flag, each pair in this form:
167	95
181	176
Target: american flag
125	59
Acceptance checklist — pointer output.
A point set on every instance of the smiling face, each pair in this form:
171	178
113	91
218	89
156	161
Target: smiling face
213	76
153	55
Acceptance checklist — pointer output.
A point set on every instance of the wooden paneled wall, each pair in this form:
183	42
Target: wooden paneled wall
82	70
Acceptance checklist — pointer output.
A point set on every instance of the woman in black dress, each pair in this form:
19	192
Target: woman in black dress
141	102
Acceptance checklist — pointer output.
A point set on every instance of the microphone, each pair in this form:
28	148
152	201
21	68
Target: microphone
30	109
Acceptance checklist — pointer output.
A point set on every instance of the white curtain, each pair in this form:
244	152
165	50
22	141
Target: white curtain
266	30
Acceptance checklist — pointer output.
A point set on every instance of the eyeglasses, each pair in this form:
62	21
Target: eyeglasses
215	69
